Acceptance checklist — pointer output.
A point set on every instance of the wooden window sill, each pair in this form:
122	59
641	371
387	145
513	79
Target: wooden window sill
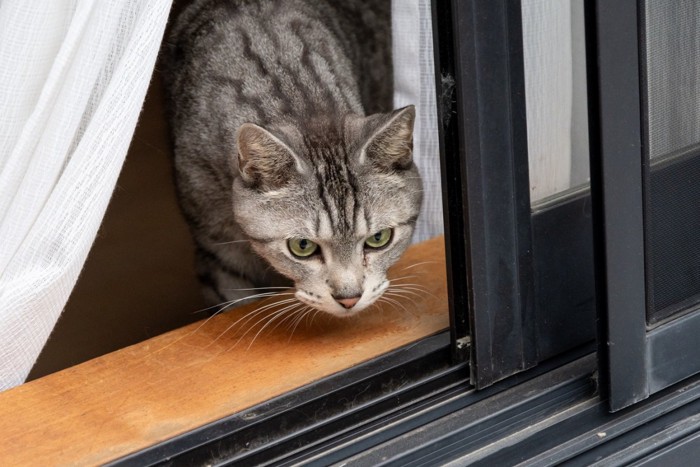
138	396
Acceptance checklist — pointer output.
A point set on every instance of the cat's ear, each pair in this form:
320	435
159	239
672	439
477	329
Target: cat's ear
390	144
265	162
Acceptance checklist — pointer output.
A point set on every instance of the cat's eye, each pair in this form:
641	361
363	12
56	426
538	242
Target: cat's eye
302	247
379	239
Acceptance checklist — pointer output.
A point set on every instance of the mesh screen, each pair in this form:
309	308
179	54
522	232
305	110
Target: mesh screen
675	237
673	68
671	75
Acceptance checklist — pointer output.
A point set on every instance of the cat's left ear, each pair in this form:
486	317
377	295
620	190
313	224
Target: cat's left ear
390	145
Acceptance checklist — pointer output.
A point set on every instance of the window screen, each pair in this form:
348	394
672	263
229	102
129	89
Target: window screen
671	90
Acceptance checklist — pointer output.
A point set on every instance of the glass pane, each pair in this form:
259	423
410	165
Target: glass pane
558	162
671	47
555	80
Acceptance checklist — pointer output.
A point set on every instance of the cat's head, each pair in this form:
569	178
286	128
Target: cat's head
332	205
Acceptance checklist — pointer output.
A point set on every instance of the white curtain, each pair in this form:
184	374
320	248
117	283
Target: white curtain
414	83
73	76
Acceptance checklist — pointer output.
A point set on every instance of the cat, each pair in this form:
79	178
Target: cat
290	166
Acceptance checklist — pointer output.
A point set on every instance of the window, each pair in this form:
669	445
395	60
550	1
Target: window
516	378
647	195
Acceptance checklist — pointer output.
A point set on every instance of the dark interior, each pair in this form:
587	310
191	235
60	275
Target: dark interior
138	280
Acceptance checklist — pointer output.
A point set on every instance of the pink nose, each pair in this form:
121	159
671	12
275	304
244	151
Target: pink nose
348	302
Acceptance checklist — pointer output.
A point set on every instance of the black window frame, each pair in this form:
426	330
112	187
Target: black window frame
636	359
528	275
484	160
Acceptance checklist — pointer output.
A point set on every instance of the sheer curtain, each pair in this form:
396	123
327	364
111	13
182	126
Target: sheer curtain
414	83
73	76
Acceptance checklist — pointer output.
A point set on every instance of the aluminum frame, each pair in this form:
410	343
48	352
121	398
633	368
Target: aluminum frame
484	154
634	360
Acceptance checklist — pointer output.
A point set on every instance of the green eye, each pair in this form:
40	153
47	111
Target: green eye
379	239
301	247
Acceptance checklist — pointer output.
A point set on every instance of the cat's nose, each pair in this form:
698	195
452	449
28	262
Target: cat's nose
347	302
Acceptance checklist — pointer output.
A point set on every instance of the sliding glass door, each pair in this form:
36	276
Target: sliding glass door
646	187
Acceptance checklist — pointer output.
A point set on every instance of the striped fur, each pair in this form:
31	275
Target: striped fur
275	108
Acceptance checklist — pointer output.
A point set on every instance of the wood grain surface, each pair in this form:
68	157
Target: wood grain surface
146	393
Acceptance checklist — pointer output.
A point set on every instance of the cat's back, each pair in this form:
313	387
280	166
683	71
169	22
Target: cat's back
268	60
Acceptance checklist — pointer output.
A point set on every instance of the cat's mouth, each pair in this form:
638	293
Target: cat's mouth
342	307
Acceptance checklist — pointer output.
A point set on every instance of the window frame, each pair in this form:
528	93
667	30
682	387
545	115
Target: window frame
506	251
479	48
636	359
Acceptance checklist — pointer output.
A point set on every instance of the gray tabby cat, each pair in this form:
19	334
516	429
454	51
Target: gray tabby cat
281	158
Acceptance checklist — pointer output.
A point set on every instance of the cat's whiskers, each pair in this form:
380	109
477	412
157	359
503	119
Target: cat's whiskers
398	296
303	313
409	310
308	311
417	288
419	264
232	241
414	289
406	296
267	307
277	314
397	303
258	288
271	293
408	291
291	316
409	284
309	316
249	316
394	279
224	306
220	307
264	295
316	312
383	299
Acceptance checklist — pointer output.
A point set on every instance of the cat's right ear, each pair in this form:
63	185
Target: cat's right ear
264	161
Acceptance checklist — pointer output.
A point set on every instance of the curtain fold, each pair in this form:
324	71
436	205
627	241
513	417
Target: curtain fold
73	77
